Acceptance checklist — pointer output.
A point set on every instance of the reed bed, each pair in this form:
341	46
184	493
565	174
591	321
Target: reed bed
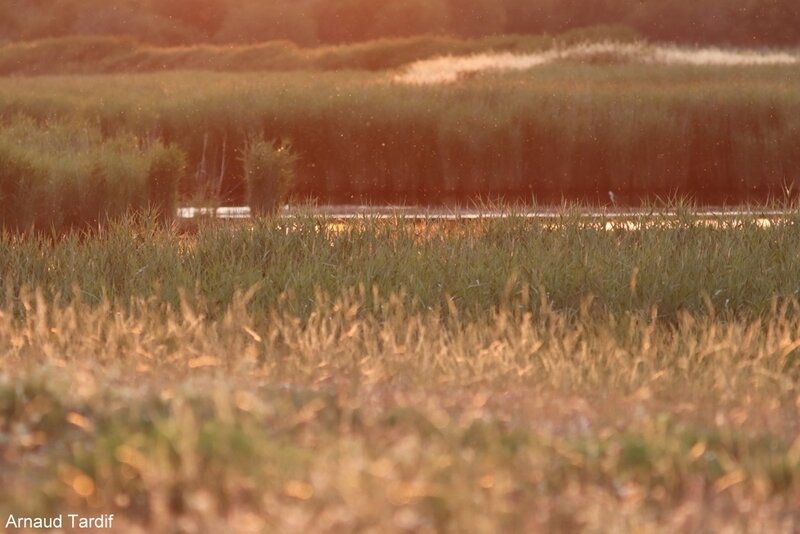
738	267
564	131
59	175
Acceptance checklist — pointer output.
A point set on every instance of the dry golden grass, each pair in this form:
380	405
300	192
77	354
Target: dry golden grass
399	421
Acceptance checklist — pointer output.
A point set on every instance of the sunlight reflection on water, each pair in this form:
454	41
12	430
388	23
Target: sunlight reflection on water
340	219
448	69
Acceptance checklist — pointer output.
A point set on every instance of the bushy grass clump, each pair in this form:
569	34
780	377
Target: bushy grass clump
61	175
269	174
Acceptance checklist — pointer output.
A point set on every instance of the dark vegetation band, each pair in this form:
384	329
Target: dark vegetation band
314	22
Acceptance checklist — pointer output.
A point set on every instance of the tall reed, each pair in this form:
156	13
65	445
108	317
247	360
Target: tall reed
58	175
269	174
671	265
567	131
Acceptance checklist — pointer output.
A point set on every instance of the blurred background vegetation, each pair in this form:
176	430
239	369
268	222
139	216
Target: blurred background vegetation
106	106
315	22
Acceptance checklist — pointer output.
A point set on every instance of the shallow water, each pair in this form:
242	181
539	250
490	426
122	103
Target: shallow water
618	219
449	69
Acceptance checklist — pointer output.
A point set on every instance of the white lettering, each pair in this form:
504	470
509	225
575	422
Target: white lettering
103	521
34	522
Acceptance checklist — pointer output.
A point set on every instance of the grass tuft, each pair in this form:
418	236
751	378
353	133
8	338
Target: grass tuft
269	174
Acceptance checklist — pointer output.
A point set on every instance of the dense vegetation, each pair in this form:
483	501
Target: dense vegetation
735	266
570	130
66	174
298	374
476	388
313	22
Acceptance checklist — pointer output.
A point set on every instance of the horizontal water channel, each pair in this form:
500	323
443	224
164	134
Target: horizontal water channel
614	219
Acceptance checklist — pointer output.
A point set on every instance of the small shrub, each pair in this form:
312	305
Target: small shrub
269	173
167	165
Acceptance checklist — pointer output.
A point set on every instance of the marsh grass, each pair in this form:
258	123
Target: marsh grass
677	263
269	174
571	131
62	175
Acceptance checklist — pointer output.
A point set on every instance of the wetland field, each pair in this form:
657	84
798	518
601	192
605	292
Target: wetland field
509	119
499	375
636	370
